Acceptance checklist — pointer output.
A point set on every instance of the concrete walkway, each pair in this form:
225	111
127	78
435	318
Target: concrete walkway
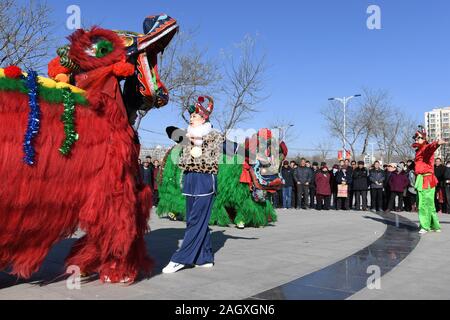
423	275
253	260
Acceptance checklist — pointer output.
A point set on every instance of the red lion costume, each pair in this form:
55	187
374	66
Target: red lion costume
96	187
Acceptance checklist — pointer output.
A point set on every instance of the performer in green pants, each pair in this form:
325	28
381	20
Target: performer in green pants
426	181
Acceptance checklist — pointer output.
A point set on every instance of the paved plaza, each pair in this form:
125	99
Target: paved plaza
305	255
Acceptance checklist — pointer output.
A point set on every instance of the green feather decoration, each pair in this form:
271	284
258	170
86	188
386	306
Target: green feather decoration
170	198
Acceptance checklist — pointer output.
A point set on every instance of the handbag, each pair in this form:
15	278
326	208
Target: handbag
440	196
342	191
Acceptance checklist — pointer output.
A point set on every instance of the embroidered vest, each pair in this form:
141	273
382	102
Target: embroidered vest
208	162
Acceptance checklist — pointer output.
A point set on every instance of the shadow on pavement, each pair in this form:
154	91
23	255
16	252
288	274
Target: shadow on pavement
344	278
406	225
52	269
161	244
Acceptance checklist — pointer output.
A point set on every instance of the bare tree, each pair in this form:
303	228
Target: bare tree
375	104
393	135
386	136
363	121
243	85
324	148
334	118
25	33
403	140
285	129
187	72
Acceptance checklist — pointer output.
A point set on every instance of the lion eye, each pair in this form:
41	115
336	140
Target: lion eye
103	48
100	48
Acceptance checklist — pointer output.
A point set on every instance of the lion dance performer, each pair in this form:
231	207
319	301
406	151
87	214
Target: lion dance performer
69	155
245	181
426	181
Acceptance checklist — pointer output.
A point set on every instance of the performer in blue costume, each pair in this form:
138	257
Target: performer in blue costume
199	161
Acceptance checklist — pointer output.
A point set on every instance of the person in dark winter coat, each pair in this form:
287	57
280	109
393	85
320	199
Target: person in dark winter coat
360	186
376	177
147	173
343	178
303	177
156	170
287	172
397	183
387	189
294	166
149	160
411	193
323	188
351	194
447	186
333	184
312	187
439	172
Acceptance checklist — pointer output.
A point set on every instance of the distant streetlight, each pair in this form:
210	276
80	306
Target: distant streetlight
344	102
373	153
282	131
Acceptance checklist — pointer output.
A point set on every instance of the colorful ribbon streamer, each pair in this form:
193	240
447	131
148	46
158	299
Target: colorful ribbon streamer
69	123
33	117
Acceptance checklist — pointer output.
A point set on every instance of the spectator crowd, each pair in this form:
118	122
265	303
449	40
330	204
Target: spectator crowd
353	186
344	186
149	171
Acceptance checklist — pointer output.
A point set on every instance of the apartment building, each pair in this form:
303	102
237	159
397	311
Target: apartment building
437	125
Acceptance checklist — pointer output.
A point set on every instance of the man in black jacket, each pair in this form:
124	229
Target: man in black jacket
343	178
147	174
303	177
447	186
150	161
294	166
288	176
360	186
439	172
387	189
376	177
350	170
312	187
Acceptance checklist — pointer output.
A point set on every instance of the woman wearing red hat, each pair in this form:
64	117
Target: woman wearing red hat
426	181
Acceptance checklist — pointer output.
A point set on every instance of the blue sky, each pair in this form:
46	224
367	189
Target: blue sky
315	49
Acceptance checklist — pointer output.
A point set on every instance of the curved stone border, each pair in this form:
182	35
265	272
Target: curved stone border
350	275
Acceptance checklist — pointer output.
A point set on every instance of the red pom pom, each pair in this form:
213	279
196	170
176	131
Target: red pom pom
55	68
13	72
123	69
201	99
266	134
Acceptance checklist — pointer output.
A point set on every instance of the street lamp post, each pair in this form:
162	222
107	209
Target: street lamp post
345	102
282	130
373	153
